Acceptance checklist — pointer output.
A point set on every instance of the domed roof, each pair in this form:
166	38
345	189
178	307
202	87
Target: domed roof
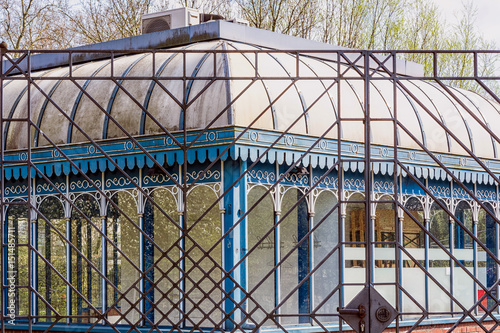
114	100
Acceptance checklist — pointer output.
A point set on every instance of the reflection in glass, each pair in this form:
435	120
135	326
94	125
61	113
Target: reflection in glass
384	252
203	293
413	278
294	269
487	266
439	261
354	252
439	226
85	236
17	258
52	248
261	259
123	258
166	258
325	237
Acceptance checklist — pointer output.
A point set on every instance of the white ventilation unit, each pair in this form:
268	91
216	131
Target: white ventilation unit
169	19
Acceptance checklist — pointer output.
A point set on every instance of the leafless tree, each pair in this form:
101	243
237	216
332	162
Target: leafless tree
33	24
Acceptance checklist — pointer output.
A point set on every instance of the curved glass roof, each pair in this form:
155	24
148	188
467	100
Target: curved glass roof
103	108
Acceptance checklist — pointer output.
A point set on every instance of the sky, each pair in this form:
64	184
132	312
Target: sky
487	22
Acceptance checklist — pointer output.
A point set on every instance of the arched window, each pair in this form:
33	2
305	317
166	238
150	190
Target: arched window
354	251
326	256
261	240
87	266
17	239
439	226
412	276
487	273
52	260
384	251
122	227
161	223
439	261
463	213
203	248
294	246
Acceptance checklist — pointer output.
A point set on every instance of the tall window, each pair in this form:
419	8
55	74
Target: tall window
52	259
17	238
413	278
203	259
326	257
295	255
166	253
261	240
86	259
123	259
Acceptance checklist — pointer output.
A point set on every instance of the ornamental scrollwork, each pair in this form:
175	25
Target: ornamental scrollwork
9	200
460	192
121	181
50	187
294	178
486	195
328	181
439	191
383	186
160	178
261	175
203	175
84	184
354	184
17	189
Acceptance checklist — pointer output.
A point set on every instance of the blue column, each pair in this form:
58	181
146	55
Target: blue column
148	260
491	266
234	245
303	258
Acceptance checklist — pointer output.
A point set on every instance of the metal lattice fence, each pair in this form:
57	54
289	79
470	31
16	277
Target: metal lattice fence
221	187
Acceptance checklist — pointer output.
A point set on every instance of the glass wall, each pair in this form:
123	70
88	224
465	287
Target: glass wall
294	250
325	261
86	258
166	253
412	276
51	228
203	259
122	224
261	258
354	251
17	238
487	231
439	261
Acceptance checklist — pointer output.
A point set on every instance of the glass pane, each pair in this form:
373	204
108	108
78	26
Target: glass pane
463	284
326	257
354	252
261	260
167	269
439	261
86	267
413	277
295	247
487	267
52	248
123	259
204	286
17	260
385	251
